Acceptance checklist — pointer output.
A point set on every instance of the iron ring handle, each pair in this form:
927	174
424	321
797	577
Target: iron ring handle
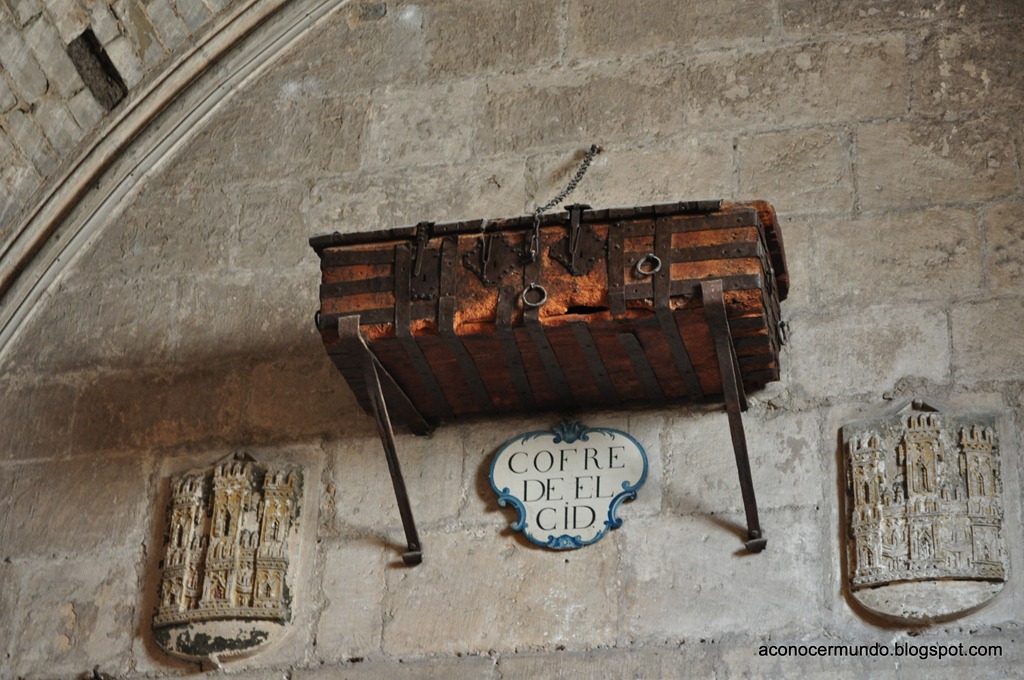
539	301
653	262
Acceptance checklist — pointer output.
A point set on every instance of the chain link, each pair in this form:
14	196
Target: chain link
562	195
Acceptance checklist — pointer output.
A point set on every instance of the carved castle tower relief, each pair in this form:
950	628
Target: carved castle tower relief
229	545
924	511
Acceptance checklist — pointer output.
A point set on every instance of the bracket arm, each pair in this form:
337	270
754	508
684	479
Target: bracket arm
735	403
414	554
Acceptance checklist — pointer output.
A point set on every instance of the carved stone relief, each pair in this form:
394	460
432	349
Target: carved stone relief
924	511
230	545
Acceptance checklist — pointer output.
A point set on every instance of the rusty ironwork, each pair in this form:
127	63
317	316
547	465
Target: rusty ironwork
580	249
735	403
681	297
492	259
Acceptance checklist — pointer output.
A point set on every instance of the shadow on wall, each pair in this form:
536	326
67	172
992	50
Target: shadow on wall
275	395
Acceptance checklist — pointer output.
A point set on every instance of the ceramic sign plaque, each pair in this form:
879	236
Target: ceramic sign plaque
567	483
925	511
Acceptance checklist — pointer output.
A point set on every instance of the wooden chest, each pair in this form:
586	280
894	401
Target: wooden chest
581	308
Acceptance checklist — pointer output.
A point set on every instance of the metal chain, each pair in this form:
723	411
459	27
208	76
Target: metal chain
562	195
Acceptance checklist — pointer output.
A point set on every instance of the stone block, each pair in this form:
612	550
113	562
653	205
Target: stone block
117	325
366	202
866	350
139	29
807	18
673	170
421	126
127	62
971	69
351	621
194	13
988	340
302	136
804	18
785	461
52	56
25	10
800	235
19	63
298	398
464	38
480	591
814	83
171	29
461	668
16	171
369	51
664	662
103	22
159	410
8	100
69	17
521	114
913	163
36	421
798	171
986	652
929	254
782	658
58	125
1005	240
364	497
690	577
156	236
606	28
8	210
75	615
274	230
248	314
10	586
85	110
69	506
648	428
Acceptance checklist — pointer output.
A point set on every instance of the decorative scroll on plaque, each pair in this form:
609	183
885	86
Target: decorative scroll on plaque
567	483
925	511
230	545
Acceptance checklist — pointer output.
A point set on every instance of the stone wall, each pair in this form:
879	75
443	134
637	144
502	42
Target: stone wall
887	134
46	108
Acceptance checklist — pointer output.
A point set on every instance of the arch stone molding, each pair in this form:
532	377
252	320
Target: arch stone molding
75	207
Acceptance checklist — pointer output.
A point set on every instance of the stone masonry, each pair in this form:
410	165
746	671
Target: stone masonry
888	134
45	107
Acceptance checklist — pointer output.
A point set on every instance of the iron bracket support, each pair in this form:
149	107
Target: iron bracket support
735	402
414	554
348	328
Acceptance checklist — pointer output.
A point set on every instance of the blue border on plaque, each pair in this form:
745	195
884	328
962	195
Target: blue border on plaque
567	431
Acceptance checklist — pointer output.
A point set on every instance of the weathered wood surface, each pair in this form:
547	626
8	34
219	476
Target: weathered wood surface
458	346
